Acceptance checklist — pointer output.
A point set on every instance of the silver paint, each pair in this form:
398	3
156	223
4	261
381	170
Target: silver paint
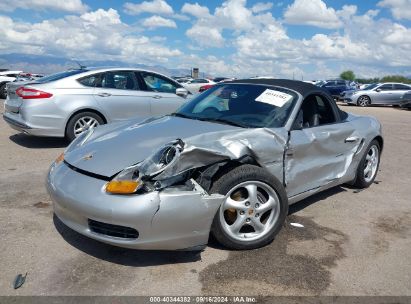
306	161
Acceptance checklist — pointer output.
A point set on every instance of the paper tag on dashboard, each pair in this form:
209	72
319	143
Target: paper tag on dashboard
275	98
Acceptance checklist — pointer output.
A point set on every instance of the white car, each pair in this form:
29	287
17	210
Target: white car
195	85
6	77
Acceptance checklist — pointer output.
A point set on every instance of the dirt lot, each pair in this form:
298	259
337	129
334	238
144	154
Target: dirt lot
351	244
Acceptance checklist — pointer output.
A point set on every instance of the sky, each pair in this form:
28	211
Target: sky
305	39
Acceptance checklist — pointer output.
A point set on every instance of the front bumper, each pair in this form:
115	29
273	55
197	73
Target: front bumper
167	220
405	104
349	100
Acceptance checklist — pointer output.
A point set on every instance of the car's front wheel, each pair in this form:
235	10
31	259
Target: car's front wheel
364	101
254	208
82	122
368	166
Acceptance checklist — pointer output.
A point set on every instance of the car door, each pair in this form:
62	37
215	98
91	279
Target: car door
161	93
384	94
321	151
119	94
399	91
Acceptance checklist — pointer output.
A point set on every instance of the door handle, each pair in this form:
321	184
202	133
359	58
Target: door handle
351	139
104	94
157	96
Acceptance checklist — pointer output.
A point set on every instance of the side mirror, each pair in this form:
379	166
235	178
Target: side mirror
299	121
182	92
378	90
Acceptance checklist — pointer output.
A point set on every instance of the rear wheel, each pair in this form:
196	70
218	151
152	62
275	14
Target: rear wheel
254	208
82	122
3	91
368	166
363	101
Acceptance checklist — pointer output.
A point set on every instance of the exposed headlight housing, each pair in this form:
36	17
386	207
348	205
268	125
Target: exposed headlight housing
165	157
133	178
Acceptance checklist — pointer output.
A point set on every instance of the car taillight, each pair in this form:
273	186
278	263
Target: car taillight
27	93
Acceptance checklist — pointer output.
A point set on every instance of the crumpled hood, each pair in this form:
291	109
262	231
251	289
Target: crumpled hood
114	147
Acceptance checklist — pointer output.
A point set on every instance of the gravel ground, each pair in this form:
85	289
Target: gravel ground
351	244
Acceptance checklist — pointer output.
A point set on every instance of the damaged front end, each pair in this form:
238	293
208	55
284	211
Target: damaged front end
166	197
148	175
198	160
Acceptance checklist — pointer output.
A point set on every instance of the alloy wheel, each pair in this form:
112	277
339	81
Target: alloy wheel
250	211
363	101
371	163
83	124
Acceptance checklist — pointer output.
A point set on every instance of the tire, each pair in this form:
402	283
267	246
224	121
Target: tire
3	93
364	180
238	182
78	119
363	101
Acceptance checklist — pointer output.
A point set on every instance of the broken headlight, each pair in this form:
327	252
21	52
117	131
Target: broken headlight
133	178
127	181
164	158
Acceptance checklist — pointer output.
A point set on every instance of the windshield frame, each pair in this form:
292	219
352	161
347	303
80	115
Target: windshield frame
296	97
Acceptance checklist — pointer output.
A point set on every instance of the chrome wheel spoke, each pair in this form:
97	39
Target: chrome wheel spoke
238	224
233	204
257	225
367	170
268	205
368	157
252	194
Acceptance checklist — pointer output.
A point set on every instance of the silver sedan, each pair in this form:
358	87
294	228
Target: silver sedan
229	162
67	103
377	94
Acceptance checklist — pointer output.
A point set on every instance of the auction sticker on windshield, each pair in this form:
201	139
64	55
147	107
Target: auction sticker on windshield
273	97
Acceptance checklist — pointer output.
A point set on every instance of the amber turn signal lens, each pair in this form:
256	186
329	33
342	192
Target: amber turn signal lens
59	159
122	187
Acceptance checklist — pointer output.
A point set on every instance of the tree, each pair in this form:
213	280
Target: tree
395	78
347	75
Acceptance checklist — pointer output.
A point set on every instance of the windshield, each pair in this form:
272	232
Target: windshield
59	76
248	106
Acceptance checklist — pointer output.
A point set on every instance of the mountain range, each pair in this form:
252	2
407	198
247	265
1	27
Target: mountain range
43	64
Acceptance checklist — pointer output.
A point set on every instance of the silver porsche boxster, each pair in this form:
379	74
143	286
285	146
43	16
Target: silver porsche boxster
229	162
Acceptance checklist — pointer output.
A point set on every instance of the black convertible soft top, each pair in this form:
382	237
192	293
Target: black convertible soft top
301	87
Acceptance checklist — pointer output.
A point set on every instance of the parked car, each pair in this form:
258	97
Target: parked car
335	87
221	79
378	94
352	90
68	103
406	100
194	85
182	79
6	77
229	162
205	87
